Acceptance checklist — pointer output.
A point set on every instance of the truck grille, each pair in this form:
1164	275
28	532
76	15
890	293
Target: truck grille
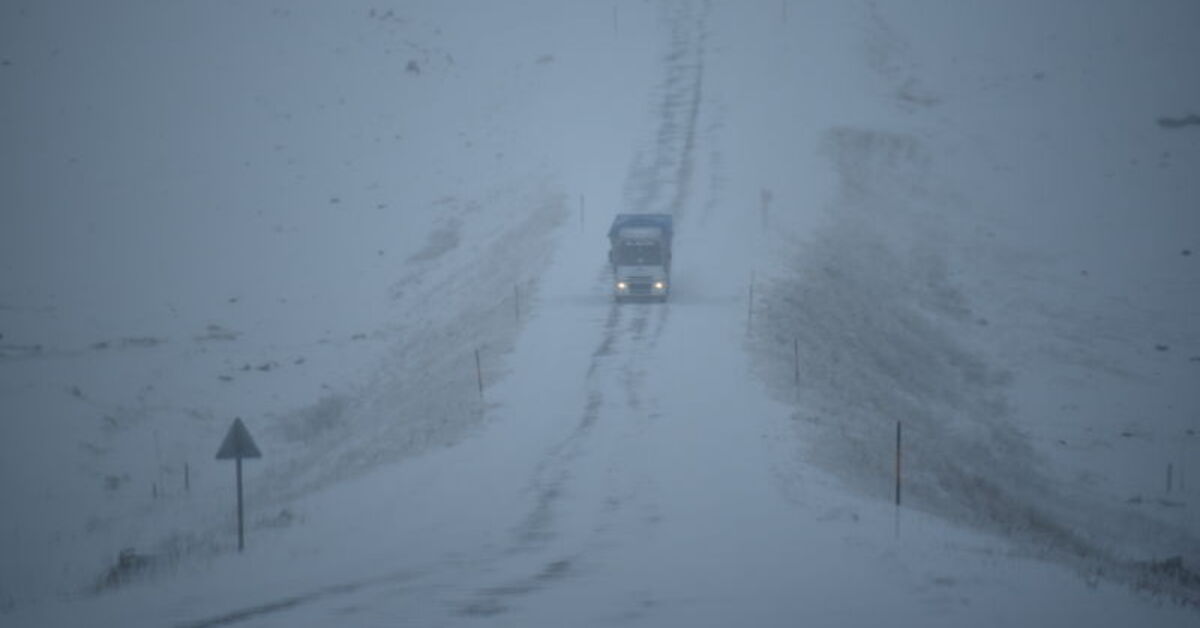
640	285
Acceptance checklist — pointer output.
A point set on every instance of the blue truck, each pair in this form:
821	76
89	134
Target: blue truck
640	256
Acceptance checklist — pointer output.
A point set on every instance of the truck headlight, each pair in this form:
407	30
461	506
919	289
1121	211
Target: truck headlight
622	286
660	285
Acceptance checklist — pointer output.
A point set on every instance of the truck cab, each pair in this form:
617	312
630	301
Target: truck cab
640	256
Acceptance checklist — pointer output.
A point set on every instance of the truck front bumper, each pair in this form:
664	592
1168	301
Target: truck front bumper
641	289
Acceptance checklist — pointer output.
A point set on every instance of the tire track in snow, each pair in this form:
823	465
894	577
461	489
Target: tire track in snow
631	331
664	183
646	189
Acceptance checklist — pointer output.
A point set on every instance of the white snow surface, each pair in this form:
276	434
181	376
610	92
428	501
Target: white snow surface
376	233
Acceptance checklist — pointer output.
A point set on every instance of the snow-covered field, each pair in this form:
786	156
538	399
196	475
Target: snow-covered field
976	219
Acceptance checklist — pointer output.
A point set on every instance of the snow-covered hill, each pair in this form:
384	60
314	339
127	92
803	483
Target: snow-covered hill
974	220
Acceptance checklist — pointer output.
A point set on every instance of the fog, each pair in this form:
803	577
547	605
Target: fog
377	233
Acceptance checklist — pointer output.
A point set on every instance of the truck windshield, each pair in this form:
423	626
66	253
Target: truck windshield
638	253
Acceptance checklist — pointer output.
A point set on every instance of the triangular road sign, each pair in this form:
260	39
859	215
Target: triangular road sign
237	443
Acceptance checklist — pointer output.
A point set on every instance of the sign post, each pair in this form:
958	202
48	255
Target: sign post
238	445
897	464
